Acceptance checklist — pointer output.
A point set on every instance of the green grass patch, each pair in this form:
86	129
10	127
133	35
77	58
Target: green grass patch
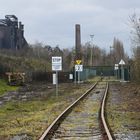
32	117
5	88
27	117
95	79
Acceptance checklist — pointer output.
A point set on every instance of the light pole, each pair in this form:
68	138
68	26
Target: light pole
91	53
111	59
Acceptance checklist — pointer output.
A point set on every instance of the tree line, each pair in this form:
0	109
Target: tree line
37	57
91	54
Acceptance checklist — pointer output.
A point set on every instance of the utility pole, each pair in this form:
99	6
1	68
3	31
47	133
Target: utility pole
111	55
91	52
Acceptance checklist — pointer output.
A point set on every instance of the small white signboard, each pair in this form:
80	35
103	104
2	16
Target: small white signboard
56	63
78	67
56	67
116	66
70	76
57	60
54	79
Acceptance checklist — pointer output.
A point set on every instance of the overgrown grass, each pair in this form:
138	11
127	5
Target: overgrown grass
123	111
32	117
4	87
26	117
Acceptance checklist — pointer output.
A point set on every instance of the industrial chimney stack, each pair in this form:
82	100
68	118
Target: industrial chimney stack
77	42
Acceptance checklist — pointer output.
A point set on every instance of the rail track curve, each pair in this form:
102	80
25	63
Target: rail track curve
95	95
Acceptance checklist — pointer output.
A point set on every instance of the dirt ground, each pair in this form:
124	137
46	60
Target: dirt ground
123	110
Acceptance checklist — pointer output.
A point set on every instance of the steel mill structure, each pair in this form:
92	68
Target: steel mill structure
12	33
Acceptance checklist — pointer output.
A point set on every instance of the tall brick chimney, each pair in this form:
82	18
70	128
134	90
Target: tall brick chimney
77	42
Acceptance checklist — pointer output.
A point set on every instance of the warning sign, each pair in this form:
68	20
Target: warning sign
78	62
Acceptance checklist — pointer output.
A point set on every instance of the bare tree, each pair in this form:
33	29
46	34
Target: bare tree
135	39
118	51
135	30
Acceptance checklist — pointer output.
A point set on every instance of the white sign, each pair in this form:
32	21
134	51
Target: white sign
56	67
56	60
122	62
78	67
57	63
116	66
70	76
54	79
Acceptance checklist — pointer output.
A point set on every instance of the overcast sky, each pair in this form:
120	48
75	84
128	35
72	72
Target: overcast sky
53	22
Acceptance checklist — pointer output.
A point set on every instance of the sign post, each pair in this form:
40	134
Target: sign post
116	70
75	76
78	68
56	66
56	83
122	69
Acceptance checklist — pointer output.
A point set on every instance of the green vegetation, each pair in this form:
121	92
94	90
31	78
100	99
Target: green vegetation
22	64
123	110
32	117
26	117
123	121
94	79
4	87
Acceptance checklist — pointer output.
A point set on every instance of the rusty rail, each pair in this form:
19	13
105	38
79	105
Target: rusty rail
45	134
109	136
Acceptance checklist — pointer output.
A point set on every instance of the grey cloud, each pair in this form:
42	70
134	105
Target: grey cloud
53	21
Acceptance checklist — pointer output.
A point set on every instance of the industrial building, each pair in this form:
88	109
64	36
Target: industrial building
12	33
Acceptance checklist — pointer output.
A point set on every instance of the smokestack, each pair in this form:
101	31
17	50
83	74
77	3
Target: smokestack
77	42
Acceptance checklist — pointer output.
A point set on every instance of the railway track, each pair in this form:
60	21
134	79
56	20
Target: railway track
84	119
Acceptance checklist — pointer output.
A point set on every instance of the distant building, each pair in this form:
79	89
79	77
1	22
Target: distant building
12	33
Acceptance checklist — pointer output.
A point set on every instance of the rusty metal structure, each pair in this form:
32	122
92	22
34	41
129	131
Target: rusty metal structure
12	33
